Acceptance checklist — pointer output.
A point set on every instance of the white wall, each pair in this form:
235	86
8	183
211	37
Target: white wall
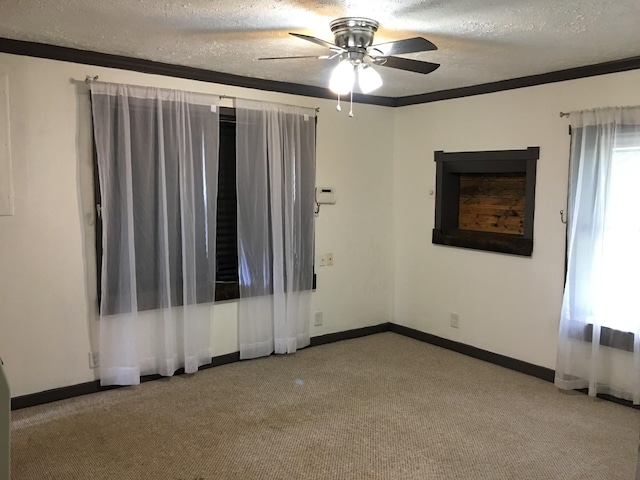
47	257
507	304
381	164
6	185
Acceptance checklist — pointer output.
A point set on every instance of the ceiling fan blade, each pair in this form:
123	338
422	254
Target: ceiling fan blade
321	57
317	41
410	65
408	45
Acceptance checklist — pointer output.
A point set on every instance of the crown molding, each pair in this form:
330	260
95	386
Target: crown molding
86	57
615	66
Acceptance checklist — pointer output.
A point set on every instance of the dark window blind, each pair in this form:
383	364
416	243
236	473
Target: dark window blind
227	215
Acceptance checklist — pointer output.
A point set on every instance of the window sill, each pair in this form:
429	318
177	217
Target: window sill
611	338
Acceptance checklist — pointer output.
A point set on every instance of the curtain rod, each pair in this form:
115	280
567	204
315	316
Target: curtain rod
89	79
564	114
231	97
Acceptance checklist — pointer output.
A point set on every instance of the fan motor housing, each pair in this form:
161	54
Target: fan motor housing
354	32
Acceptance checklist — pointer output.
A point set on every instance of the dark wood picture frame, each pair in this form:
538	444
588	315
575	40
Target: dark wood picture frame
449	167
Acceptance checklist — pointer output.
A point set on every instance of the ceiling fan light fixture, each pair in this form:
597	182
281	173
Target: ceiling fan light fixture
342	78
353	44
368	79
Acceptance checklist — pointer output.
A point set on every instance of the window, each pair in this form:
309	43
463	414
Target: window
167	245
599	323
147	197
621	240
226	224
226	281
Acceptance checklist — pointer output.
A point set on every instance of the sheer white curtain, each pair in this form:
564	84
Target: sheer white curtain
599	337
157	153
275	147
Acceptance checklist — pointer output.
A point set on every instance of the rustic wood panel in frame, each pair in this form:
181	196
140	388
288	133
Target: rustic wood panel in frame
492	202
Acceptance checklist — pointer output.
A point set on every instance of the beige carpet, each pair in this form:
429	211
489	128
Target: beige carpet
379	407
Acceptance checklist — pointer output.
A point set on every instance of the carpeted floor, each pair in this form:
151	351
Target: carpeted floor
378	407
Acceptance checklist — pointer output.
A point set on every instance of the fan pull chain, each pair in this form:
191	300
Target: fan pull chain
351	104
338	107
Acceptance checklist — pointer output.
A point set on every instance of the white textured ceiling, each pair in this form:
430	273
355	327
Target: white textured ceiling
479	41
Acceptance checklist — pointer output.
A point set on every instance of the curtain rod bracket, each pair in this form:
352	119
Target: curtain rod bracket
89	79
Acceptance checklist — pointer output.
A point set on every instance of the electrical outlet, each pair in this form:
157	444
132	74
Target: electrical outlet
455	320
323	261
317	319
94	359
330	259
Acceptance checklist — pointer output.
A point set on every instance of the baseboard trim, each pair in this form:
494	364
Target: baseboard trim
86	388
610	398
349	334
543	373
537	371
54	395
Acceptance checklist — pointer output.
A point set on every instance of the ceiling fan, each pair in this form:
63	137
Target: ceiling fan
358	55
